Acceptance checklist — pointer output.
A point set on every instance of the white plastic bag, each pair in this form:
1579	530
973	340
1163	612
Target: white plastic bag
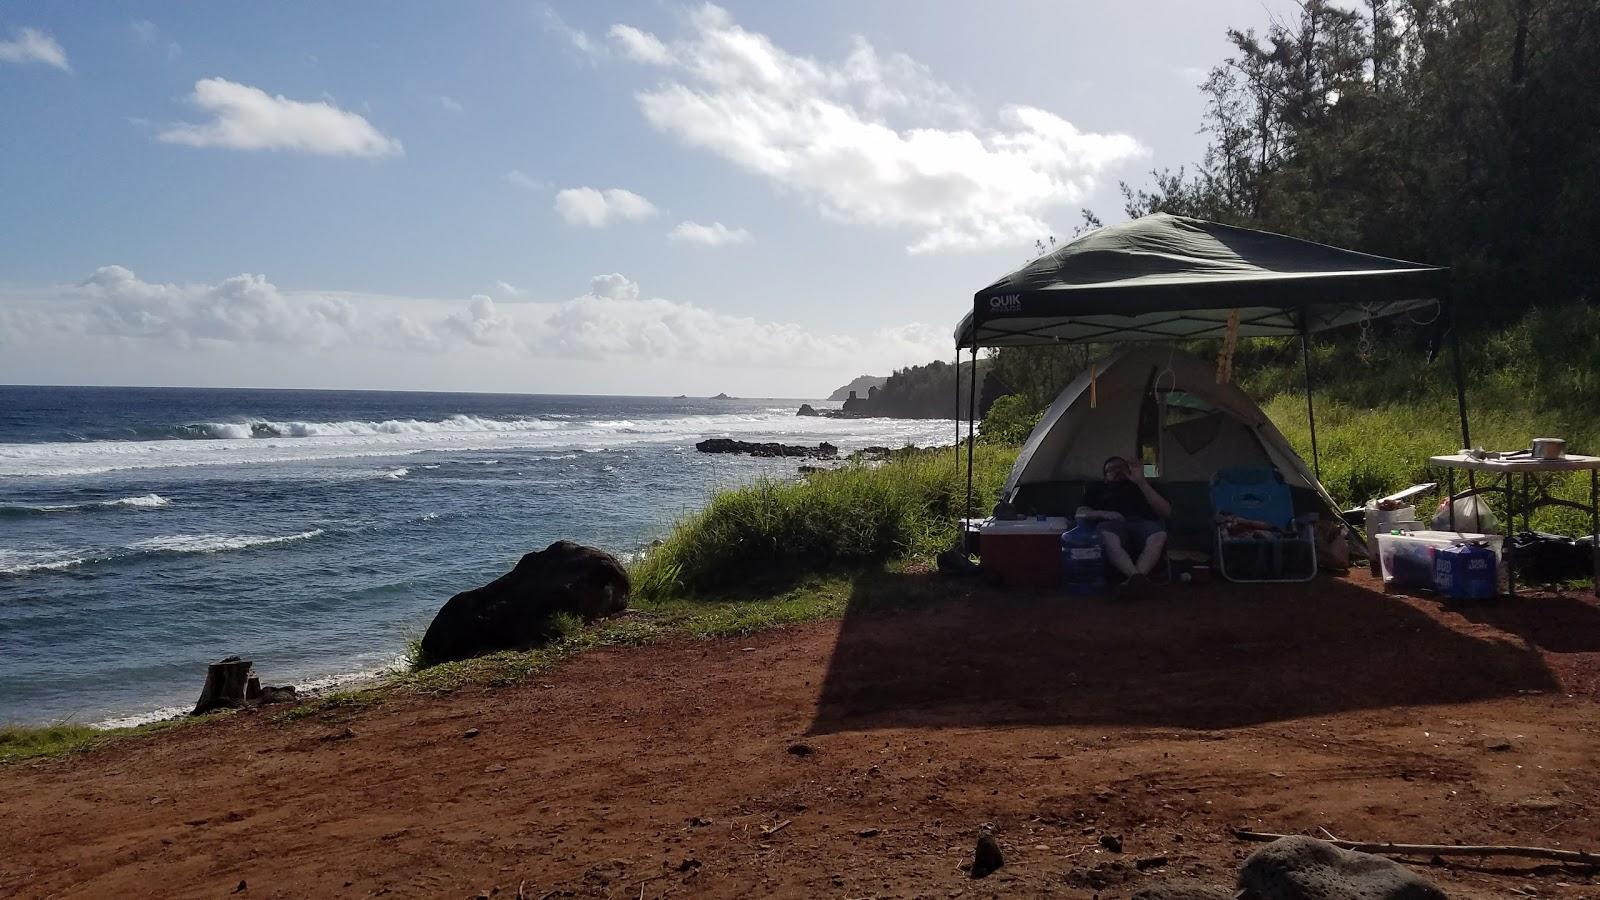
1472	514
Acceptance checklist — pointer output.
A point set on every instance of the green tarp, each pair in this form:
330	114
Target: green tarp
1165	277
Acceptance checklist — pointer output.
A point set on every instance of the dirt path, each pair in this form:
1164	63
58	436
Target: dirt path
654	771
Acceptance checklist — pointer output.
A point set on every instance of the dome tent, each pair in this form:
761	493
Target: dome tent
1170	402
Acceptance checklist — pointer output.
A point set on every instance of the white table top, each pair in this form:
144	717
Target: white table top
1572	462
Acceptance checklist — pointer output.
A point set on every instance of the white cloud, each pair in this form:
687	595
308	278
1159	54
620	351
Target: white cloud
590	208
613	322
640	46
872	140
144	30
525	181
714	235
450	103
30	45
248	118
577	37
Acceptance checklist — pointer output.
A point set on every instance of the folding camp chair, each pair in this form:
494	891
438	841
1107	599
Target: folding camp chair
1285	550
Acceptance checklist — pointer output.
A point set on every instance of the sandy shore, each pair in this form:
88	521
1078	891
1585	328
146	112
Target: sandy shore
672	769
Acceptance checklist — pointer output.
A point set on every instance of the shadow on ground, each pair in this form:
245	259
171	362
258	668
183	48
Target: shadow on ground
1556	623
1217	656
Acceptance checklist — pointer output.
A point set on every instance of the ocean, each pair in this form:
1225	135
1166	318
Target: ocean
145	532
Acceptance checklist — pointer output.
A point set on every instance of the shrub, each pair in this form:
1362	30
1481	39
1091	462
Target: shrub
1009	421
852	516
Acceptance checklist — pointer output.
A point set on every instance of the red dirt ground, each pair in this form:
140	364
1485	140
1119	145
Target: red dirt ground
657	771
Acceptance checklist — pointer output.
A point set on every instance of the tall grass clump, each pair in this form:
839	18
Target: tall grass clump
837	518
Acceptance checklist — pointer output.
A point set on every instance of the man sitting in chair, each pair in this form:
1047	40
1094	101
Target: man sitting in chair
1131	515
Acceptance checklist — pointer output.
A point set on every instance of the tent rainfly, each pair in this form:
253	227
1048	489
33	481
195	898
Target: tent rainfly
1166	278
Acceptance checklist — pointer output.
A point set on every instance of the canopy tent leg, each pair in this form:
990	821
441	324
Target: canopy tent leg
1461	380
972	414
1311	411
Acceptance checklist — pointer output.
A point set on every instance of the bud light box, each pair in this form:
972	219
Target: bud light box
1466	572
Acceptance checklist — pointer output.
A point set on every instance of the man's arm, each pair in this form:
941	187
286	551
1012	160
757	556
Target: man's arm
1158	503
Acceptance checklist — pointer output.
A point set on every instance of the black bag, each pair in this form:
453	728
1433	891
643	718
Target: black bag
1546	558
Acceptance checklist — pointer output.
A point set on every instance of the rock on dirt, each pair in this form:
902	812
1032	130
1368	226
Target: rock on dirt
1112	842
515	610
1304	868
986	856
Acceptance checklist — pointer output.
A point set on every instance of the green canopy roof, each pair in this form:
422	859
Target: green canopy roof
1165	277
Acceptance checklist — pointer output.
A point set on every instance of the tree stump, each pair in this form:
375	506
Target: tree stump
226	683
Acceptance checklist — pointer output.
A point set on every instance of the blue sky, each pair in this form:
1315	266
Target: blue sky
766	199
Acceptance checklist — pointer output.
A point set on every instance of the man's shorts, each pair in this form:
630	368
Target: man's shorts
1133	533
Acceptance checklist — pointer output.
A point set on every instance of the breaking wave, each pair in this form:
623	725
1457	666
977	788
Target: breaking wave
30	563
263	428
262	442
144	501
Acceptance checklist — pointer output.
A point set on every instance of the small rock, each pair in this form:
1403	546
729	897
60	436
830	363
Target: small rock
698	822
1149	862
1111	842
1496	745
240	887
986	857
800	750
277	694
868	832
470	733
689	864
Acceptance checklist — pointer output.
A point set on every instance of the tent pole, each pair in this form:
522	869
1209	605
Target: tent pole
955	376
1461	381
1311	410
972	412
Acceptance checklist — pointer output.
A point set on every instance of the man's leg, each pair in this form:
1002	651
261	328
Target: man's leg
1154	543
1111	534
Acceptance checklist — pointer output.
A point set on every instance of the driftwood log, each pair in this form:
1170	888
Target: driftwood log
227	682
1392	849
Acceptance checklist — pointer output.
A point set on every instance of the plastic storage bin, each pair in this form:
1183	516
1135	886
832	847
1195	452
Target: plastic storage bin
1408	559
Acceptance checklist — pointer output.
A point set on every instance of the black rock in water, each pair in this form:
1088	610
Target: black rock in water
806	409
823	450
515	609
1304	868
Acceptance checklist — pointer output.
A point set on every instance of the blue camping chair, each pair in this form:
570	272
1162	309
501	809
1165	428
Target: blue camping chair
1286	551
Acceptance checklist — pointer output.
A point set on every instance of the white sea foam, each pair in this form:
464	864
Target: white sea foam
144	718
145	501
215	543
293	442
397	473
304	686
15	562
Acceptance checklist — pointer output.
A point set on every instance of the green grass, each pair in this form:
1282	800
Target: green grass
22	742
758	540
1369	452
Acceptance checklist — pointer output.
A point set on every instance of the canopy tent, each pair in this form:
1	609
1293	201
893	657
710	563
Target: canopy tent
1165	278
1169	403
